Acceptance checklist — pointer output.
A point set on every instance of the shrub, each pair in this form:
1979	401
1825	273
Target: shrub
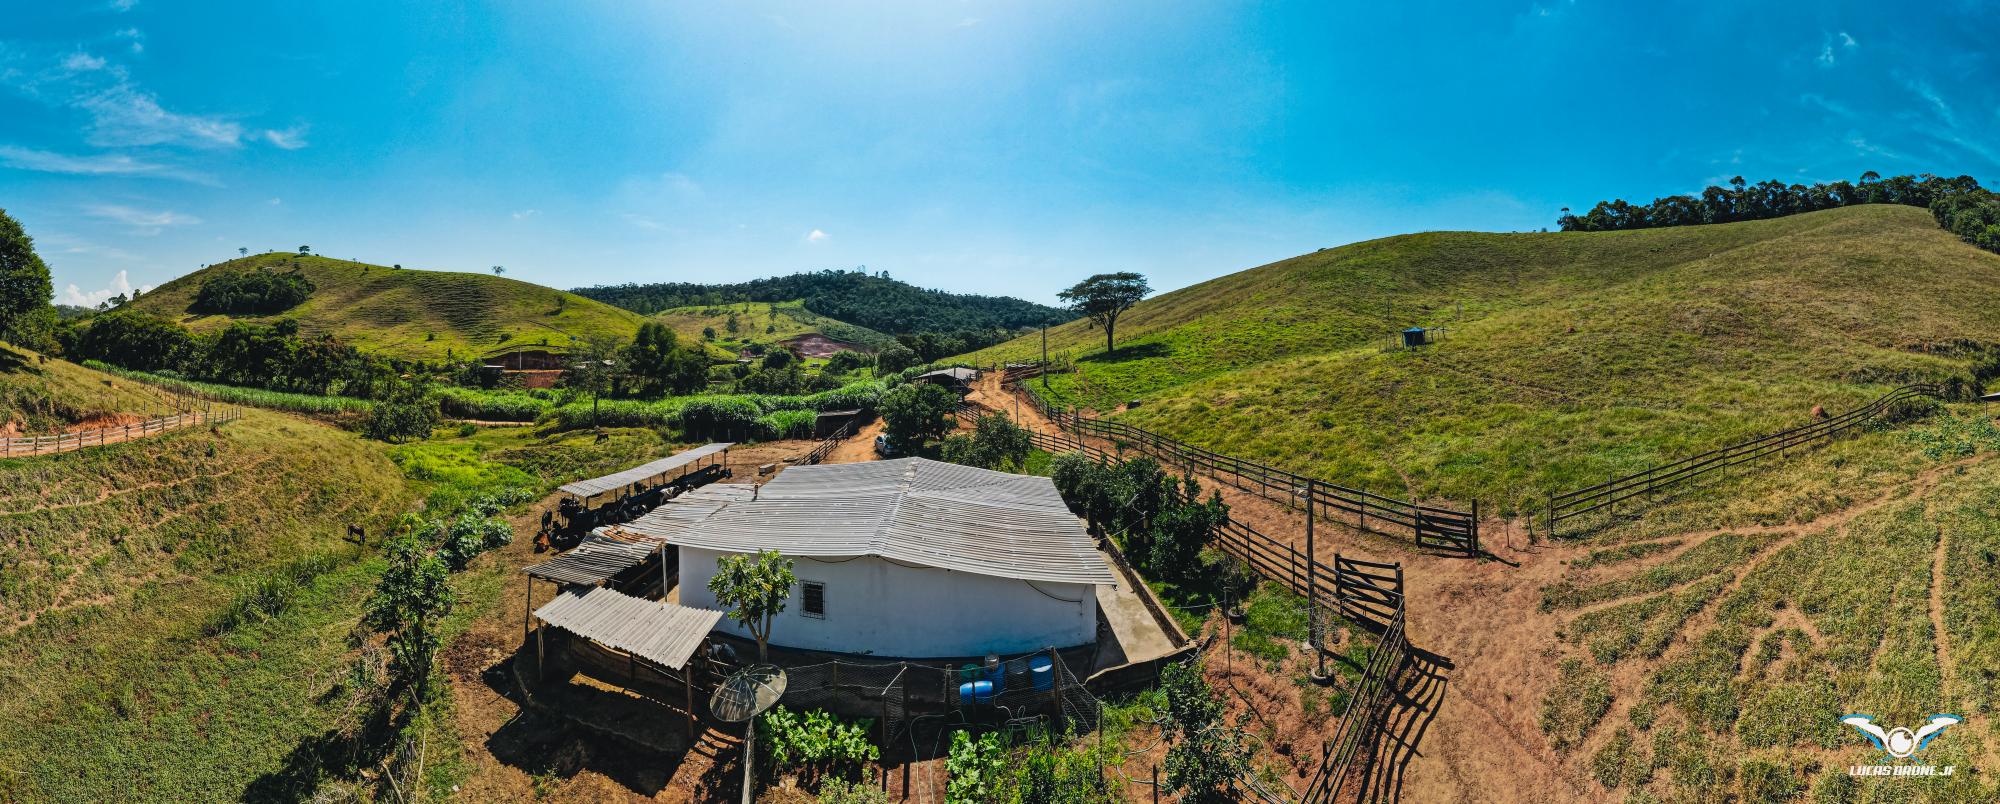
402	420
507	406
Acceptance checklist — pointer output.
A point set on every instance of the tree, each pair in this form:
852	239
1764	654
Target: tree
242	251
411	413
995	443
593	369
660	366
755	589
499	269
1208	757
916	413
24	279
305	249
413	597
895	359
780	357
1104	297
135	340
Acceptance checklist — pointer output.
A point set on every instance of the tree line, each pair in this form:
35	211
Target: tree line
875	301
1959	203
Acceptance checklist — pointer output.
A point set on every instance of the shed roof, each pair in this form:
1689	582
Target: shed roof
663	633
959	373
595	560
618	480
911	510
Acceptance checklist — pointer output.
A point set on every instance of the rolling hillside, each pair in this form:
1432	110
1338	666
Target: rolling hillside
118	562
863	299
769	323
407	313
1576	355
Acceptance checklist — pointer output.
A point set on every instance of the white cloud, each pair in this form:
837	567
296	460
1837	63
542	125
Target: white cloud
123	5
1924	90
290	139
81	62
121	284
817	236
124	115
120	112
641	221
275	201
968	22
526	214
135	37
143	222
1847	41
93	165
1826	56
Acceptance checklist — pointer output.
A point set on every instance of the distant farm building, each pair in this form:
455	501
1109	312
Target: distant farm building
908	558
525	365
832	421
958	379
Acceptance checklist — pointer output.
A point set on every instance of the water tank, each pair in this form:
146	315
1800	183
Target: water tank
1042	673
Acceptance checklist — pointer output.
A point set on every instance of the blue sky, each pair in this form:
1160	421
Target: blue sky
998	147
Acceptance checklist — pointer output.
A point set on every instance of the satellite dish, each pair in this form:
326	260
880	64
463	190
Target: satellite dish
746	693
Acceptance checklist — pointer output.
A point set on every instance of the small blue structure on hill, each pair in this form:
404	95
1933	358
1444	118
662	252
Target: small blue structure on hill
1415	337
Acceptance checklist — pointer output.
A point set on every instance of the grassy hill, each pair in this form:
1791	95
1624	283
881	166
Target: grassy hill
116	564
767	323
409	313
176	611
1569	357
870	300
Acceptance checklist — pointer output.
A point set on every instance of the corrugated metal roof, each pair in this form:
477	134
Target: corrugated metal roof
663	633
612	482
960	373
679	513
911	510
595	560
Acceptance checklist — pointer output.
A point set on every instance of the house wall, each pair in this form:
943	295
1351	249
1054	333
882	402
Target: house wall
874	607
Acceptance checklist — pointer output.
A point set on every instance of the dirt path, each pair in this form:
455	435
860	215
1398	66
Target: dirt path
1937	612
859	447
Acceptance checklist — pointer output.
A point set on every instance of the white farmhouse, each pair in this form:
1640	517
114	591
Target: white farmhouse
909	558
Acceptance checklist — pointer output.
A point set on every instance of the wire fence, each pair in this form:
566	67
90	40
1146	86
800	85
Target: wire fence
13	446
1645	484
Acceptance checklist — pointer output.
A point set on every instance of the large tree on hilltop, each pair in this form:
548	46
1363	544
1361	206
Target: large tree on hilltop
24	279
1104	297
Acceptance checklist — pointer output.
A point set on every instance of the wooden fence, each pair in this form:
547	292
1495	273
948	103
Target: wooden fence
1610	493
1368	593
828	444
1367	710
1430	527
68	442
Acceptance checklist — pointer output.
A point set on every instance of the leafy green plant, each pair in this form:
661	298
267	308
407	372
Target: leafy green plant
814	743
975	768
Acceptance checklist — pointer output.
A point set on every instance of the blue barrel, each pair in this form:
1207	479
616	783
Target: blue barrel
1042	673
972	692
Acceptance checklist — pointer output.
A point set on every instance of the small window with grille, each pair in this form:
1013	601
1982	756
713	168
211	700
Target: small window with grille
814	603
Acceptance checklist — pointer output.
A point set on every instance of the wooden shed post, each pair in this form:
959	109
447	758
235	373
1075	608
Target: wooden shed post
687	685
527	605
1055	670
